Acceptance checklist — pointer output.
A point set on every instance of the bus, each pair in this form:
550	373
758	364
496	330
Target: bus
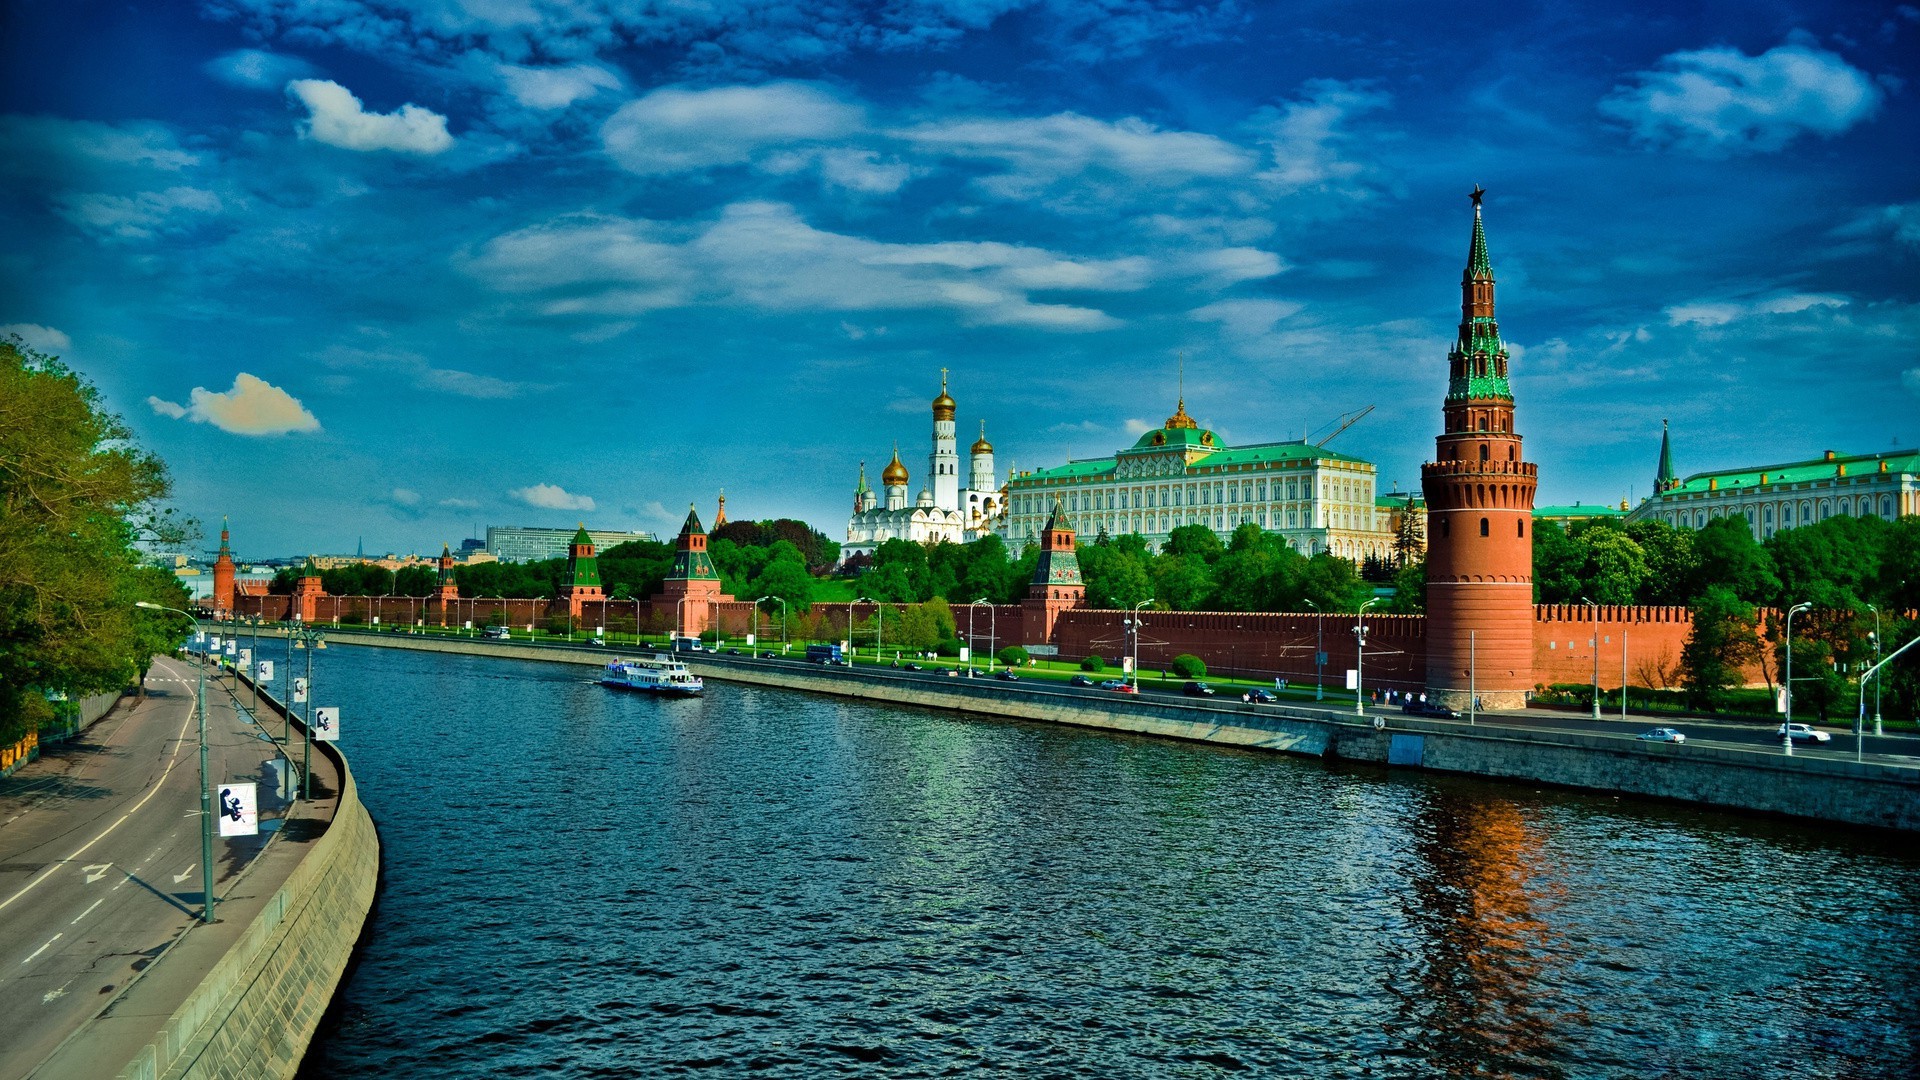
825	654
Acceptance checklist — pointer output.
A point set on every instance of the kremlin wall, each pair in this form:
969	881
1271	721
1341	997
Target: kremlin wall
1482	637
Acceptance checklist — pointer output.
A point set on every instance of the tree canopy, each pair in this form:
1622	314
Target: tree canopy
77	500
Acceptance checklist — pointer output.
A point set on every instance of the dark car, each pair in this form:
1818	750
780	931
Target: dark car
1006	675
1197	689
769	656
1429	708
1257	696
914	667
1080	680
733	652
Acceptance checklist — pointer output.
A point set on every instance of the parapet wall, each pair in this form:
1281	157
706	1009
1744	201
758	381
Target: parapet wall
257	1009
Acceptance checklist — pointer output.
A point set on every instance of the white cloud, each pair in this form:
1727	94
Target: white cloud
404	497
674	129
1310	141
1719	100
556	87
256	69
39	338
138	217
1041	151
1900	222
763	255
1246	318
253	407
336	117
1722	312
551	497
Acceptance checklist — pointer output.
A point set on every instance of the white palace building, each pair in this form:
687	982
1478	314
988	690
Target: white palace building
1180	474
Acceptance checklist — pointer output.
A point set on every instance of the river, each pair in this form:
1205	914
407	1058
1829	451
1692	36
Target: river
584	883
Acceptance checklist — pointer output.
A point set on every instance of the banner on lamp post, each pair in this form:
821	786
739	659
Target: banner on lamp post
1353	679
231	647
266	671
300	691
326	725
239	812
246	658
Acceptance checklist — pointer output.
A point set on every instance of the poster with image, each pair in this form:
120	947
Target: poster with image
239	811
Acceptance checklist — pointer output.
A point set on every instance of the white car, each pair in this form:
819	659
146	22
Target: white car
1663	734
1803	733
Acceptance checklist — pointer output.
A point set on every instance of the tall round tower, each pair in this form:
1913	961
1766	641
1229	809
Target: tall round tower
943	464
1479	493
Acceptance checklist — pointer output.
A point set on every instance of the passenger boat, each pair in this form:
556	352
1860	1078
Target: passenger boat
655	675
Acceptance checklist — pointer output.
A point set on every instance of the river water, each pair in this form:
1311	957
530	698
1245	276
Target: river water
585	883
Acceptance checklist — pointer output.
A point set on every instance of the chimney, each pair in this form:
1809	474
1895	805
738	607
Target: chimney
1831	455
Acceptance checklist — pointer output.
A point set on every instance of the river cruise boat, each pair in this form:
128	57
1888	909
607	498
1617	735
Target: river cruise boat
655	675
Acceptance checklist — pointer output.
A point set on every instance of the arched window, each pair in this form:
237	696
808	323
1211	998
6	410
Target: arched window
1446	528
1483	527
1523	528
1512	454
1484	452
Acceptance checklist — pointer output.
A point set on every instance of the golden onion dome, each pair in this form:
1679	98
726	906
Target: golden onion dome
1180	419
895	473
981	445
943	405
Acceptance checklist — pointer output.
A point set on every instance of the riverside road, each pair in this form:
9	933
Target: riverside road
100	854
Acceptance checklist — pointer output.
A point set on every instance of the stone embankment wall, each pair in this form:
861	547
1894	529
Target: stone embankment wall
1821	788
258	1008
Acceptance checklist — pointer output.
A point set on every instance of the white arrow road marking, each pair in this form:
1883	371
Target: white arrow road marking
51	994
96	871
179	742
182	875
89	910
41	949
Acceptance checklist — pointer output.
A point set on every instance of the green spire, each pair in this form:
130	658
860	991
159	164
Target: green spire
1478	361
584	570
691	561
1667	479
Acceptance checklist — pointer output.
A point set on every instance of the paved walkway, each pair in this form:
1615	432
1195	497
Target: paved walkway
100	877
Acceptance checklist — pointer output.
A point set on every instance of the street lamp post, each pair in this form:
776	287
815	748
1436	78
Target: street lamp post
1593	639
852	649
1786	729
783	616
1135	627
1876	663
973	647
206	792
1319	651
1874	674
1360	659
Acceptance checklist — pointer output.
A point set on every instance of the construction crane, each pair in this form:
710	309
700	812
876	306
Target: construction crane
1345	420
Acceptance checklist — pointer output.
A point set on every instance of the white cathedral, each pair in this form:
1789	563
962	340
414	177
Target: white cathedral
943	510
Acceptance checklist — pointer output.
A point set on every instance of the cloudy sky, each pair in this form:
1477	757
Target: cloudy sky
394	270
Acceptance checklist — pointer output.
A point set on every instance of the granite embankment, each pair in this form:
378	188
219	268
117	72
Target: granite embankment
1873	793
244	996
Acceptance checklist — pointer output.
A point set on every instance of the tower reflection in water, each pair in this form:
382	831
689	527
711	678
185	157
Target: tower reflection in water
1475	949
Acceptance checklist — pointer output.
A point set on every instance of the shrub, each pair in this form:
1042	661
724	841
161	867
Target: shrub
1189	666
353	618
1093	663
949	647
1012	656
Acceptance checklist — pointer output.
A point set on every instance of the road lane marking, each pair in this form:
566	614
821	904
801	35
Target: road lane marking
179	742
89	910
57	993
43	948
182	875
96	871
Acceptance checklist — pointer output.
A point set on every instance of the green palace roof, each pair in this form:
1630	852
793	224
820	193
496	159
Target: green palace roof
1399	498
1797	472
1261	454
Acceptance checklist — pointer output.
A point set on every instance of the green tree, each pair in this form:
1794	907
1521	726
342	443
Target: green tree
1183	582
1195	541
1189	666
1557	563
785	576
1333	584
1724	641
76	498
1012	656
1672	567
1615	567
1725	554
1409	589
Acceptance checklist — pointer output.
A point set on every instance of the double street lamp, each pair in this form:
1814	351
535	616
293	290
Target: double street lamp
1134	625
1786	729
206	792
1360	659
993	617
1319	650
309	639
1594	640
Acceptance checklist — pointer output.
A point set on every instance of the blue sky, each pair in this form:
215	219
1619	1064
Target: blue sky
366	268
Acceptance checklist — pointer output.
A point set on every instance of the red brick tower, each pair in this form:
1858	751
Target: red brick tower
1479	516
223	575
306	595
692	588
583	573
1056	584
447	592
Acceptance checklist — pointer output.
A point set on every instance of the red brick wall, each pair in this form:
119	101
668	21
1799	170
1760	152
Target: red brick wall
1257	645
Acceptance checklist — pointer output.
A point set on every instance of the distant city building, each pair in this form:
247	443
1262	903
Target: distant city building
1180	474
943	510
1775	497
516	543
471	544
